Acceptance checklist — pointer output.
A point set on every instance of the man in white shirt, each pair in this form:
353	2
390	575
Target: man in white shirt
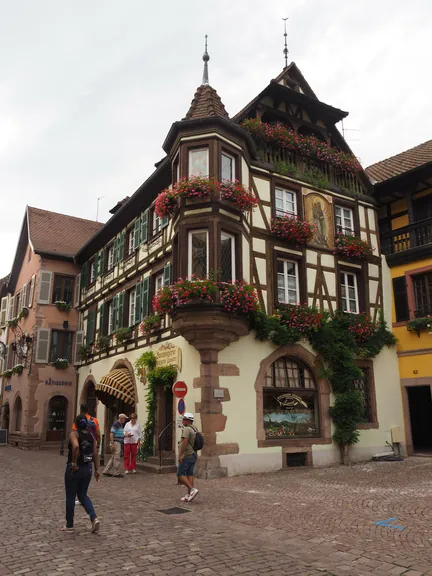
132	439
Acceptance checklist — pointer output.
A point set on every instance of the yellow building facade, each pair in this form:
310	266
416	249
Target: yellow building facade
403	186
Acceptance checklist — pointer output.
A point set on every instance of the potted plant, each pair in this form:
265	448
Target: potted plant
352	247
6	373
18	369
84	352
149	324
123	334
13	322
24	312
102	344
61	363
419	324
292	229
184	291
61	305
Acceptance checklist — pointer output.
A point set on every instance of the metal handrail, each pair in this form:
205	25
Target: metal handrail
160	436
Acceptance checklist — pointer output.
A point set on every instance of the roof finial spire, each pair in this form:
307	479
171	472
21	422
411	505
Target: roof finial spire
285	51
206	58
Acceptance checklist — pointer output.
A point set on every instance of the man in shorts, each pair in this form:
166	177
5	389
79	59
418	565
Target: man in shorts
187	457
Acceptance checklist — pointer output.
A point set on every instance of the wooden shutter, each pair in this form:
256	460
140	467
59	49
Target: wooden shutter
137	233
138	302
121	298
11	308
44	287
24	296
145	296
101	319
91	321
144	226
115	313
31	292
84	273
3	311
42	346
121	246
79	341
101	263
77	290
400	299
115	251
167	274
95	266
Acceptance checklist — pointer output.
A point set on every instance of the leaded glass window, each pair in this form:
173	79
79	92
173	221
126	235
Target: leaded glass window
198	253
289	400
363	386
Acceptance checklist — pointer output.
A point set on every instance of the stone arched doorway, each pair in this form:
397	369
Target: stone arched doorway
17	415
88	396
57	419
5	416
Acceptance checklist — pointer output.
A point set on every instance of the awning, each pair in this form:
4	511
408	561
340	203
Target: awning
118	383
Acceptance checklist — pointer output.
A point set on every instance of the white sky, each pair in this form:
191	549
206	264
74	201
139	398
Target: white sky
89	89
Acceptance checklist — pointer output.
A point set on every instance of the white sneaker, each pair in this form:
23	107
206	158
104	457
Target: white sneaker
185	498
193	494
133	471
76	501
126	471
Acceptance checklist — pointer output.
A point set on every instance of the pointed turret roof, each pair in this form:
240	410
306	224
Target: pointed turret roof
206	102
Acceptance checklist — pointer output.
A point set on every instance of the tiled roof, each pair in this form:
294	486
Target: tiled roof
205	103
54	233
401	163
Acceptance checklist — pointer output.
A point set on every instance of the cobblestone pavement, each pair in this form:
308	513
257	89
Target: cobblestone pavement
303	522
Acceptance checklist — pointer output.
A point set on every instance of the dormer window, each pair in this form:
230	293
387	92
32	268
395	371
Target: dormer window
199	162
227	167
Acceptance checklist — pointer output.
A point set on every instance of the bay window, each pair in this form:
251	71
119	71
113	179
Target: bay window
349	292
288	291
198	253
227	167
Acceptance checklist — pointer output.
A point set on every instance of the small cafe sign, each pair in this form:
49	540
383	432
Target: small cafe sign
169	355
51	382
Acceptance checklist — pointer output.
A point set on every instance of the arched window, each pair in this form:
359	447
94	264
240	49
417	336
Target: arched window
17	414
290	401
57	414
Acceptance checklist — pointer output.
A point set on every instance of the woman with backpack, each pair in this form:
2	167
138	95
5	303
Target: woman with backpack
82	455
191	441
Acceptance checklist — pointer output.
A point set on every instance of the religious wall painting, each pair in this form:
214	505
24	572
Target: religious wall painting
319	211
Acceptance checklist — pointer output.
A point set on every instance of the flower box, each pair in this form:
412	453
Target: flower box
84	352
61	305
352	247
13	323
419	324
238	195
292	229
61	363
102	344
6	373
305	146
149	324
24	312
123	334
18	369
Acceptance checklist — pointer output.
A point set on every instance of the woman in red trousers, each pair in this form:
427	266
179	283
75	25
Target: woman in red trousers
132	438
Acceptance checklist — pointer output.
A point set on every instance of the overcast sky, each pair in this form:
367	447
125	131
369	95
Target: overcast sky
89	89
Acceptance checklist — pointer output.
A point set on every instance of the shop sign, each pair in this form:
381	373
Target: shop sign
290	401
169	355
51	382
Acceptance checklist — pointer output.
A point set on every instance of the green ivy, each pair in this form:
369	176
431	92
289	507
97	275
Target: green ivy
156	376
335	341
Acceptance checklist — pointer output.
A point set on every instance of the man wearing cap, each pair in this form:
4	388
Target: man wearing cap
187	457
116	443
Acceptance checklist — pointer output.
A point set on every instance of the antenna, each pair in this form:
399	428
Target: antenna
285	50
97	209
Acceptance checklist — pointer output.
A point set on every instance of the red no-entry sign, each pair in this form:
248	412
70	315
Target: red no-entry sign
180	389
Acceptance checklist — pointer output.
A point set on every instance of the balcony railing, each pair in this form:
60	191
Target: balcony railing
411	236
423	312
274	154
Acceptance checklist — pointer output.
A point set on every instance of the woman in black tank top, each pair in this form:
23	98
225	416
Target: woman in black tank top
82	455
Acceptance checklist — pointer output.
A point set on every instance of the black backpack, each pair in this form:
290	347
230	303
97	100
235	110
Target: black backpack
199	440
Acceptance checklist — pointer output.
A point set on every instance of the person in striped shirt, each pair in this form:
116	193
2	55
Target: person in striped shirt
116	443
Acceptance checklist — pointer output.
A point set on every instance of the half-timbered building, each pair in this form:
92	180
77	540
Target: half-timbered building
233	378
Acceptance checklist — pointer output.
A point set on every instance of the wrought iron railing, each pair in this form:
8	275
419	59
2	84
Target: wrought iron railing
274	154
165	443
423	312
411	236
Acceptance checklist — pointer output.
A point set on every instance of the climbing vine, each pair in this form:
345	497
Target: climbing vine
156	376
339	341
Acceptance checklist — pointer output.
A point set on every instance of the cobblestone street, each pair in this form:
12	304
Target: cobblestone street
301	522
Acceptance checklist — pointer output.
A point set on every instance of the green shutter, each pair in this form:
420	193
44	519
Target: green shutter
137	233
90	326
144	226
138	303
101	319
84	272
114	313
121	309
121	246
115	253
101	263
164	221
145	296
95	264
167	274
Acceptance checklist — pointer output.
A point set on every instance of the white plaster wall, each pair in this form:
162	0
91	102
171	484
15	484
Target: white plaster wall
362	216
328	260
371	217
244	172
331	282
257	219
373	291
387	291
263	187
373	270
246	260
259	245
310	279
261	266
311	257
